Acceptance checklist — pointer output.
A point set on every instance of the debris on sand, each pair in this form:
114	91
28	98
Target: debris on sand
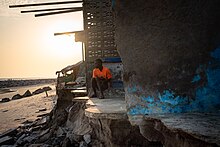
17	96
5	100
27	94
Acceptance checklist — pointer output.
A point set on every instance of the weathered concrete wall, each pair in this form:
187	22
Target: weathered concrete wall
171	54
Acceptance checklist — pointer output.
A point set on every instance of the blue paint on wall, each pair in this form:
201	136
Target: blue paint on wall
209	95
132	89
216	54
149	99
112	60
138	110
207	98
196	78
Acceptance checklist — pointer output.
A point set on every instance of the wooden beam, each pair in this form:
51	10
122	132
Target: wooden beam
57	12
66	33
55	9
44	4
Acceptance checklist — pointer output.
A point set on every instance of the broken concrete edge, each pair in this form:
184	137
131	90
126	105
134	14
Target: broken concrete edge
160	120
105	115
6	140
199	118
80	99
92	112
95	113
9	132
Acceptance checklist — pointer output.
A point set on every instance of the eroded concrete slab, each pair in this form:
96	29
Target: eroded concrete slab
109	108
81	99
204	126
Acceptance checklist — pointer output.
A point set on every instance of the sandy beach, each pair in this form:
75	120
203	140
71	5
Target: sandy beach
14	112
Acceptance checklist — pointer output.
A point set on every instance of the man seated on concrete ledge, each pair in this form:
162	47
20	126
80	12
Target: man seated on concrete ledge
101	78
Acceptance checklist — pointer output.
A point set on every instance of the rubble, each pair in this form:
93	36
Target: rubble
27	94
68	125
87	138
43	109
5	100
81	121
10	132
41	115
20	140
83	144
17	96
38	91
47	88
6	140
42	121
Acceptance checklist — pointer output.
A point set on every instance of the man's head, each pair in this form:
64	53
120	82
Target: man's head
98	63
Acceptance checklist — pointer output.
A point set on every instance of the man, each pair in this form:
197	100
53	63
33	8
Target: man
101	78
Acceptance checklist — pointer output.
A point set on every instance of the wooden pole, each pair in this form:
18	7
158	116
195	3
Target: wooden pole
82	52
54	9
44	4
57	12
66	33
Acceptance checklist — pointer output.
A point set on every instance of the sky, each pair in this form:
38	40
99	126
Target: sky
28	47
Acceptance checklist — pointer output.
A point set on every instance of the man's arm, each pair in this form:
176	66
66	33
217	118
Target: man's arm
94	74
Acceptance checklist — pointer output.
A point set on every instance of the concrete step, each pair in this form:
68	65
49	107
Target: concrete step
109	108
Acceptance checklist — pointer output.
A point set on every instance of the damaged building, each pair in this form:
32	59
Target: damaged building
165	60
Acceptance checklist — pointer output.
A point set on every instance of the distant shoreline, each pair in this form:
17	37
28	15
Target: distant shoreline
24	82
34	78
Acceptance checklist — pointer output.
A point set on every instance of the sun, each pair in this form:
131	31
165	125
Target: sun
64	47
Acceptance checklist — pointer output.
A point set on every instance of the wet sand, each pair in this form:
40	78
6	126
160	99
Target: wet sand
13	113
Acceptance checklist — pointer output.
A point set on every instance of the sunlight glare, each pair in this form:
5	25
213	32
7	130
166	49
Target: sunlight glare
66	47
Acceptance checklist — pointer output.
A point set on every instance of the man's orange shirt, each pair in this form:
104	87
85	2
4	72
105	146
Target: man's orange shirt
105	73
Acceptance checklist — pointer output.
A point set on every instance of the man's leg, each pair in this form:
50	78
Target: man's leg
94	87
99	85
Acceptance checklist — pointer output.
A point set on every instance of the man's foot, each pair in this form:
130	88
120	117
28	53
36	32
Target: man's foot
101	97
